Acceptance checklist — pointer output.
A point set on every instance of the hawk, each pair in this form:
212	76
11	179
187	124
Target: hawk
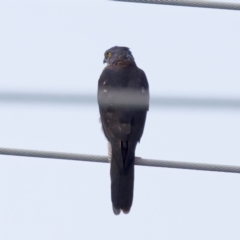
123	99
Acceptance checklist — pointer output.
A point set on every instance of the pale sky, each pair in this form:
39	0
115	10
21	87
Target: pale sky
57	47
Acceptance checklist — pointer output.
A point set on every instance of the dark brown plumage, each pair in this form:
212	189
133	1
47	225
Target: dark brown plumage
123	98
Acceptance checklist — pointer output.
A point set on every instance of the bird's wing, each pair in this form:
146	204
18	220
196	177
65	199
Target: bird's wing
115	119
120	103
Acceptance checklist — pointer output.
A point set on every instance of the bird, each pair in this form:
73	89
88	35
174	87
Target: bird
123	99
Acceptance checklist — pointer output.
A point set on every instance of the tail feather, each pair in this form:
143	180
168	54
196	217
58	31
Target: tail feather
122	178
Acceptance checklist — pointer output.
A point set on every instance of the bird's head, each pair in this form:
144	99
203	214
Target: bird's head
118	56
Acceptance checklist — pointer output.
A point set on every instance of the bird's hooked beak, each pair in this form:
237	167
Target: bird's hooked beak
104	60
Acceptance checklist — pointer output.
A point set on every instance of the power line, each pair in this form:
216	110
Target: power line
190	3
90	99
104	159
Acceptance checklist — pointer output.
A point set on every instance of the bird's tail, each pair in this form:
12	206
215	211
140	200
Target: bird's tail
122	177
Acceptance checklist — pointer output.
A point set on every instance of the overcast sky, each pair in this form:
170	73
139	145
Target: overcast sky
57	47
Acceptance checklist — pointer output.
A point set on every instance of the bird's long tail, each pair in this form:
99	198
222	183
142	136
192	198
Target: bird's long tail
122	176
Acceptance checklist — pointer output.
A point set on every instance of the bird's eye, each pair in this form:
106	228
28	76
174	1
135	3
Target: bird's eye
109	54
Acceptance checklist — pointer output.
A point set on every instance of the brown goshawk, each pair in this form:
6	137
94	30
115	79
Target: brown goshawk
123	98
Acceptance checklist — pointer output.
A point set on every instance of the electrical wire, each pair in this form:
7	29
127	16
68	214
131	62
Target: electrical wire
190	3
91	99
104	159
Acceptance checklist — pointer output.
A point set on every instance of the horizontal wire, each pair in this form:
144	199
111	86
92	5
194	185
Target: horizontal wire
90	99
104	159
190	3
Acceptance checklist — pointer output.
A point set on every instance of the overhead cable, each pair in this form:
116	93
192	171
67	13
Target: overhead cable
190	3
91	99
104	159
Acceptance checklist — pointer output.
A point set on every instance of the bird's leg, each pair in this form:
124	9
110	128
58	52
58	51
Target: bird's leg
109	152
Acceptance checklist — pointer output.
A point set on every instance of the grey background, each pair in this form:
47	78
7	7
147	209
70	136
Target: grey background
56	47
